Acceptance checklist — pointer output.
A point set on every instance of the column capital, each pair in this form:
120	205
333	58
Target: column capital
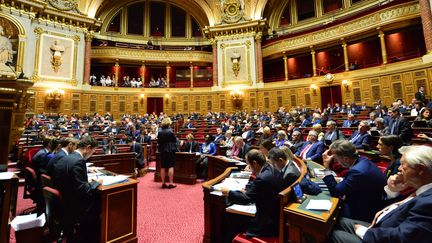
89	36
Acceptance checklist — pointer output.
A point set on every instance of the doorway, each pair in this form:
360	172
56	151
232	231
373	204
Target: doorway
332	95
154	105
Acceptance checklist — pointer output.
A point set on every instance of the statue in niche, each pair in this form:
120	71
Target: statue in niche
235	59
57	50
7	49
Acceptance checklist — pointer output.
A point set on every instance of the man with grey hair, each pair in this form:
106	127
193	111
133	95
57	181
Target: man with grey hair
409	220
296	142
332	133
362	186
350	122
312	149
361	137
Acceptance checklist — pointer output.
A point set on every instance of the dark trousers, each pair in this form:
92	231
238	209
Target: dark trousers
344	231
202	167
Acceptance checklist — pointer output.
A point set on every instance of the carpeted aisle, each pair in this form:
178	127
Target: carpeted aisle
164	215
169	215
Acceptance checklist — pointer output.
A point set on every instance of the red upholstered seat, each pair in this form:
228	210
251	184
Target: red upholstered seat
241	238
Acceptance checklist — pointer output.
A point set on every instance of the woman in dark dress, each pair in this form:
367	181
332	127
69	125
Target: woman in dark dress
167	148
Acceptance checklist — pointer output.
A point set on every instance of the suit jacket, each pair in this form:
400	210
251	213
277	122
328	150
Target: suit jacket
410	222
363	141
145	139
70	177
38	161
138	149
263	191
167	141
315	152
420	97
113	149
51	163
333	136
193	144
296	146
250	137
305	123
219	138
362	188
402	129
289	174
243	151
352	123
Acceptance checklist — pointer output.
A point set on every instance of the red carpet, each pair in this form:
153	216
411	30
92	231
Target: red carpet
164	215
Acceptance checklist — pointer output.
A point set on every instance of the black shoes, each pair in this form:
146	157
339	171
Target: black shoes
164	186
171	186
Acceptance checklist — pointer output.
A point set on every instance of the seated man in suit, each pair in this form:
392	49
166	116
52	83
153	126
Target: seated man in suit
312	149
304	122
141	164
399	126
70	177
296	141
332	133
289	171
263	191
191	146
219	137
68	145
361	137
362	187
110	147
188	124
409	220
351	122
240	148
248	134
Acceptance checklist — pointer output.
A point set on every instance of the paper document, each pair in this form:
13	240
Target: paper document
247	209
241	174
321	205
109	180
28	221
233	184
320	172
6	175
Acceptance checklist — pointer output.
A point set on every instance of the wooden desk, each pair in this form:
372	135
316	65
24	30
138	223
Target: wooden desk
310	226
118	212
218	164
184	168
122	163
8	199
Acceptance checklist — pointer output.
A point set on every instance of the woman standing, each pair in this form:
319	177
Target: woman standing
167	148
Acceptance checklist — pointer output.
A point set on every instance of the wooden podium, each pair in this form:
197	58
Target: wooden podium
118	212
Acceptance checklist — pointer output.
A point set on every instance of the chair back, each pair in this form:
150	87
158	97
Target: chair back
30	184
46	180
54	211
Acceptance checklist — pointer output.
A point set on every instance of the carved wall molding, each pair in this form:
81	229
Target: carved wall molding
357	26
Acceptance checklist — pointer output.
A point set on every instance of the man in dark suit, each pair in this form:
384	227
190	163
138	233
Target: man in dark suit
263	191
312	149
333	133
399	126
409	220
351	122
420	96
363	185
243	148
138	149
296	143
70	177
288	170
361	137
219	137
38	161
110	147
248	134
68	146
191	146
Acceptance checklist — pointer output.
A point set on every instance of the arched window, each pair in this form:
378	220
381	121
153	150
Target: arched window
136	18
157	19
115	23
196	30
286	16
178	22
305	9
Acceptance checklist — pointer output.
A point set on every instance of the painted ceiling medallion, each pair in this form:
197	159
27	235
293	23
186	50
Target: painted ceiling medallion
232	11
64	5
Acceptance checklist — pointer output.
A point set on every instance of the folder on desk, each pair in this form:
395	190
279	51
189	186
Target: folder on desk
320	205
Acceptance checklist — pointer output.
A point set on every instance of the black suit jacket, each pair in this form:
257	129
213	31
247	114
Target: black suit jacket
167	141
402	129
38	161
263	191
289	174
420	97
243	151
70	177
195	147
51	163
138	149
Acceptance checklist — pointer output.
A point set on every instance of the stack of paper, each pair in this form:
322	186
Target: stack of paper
321	205
243	209
28	222
232	184
109	180
6	175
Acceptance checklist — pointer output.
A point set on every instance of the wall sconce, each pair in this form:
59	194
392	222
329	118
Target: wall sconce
142	99
313	88
54	97
167	96
237	98
345	84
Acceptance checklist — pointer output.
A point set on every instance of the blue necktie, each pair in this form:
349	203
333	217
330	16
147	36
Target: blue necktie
393	128
355	138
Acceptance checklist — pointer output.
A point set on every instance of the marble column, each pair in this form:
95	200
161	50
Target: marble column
191	75
426	18
345	54
215	62
285	59
87	58
381	35
314	69
168	71
259	57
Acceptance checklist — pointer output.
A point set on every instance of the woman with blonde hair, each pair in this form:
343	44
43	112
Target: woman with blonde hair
318	128
167	143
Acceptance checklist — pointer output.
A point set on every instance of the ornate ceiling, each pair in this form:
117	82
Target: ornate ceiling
210	9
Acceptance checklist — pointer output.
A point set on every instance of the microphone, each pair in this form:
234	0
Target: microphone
10	65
